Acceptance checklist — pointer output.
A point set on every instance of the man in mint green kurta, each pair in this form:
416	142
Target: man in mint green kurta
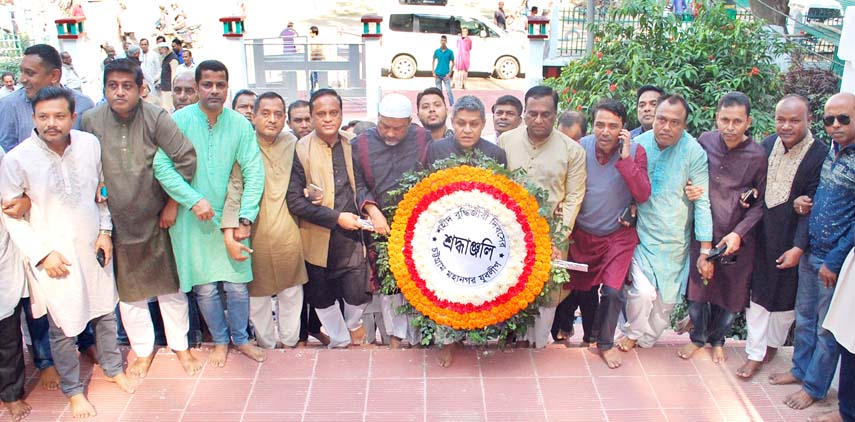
660	266
221	137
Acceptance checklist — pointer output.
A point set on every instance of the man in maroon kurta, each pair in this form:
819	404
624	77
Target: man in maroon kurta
617	176
737	164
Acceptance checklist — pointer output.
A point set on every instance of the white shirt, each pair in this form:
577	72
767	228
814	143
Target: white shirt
70	79
151	66
6	91
12	278
65	218
838	320
184	69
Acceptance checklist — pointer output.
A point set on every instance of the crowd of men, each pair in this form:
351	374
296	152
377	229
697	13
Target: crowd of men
223	213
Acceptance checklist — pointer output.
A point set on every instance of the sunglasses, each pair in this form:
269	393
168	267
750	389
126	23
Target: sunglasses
844	119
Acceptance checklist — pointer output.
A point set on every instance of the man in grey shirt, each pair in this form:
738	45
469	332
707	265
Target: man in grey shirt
40	67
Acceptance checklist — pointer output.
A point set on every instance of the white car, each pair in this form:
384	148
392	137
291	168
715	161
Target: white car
411	35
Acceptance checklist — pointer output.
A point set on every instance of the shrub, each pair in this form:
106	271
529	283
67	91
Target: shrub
701	60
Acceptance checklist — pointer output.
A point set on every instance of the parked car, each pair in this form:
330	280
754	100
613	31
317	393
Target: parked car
412	34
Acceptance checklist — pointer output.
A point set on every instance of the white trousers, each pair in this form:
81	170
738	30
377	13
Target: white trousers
339	326
396	324
540	334
766	329
287	306
647	316
136	319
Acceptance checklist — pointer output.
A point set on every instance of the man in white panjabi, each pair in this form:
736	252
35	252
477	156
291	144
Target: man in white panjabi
59	170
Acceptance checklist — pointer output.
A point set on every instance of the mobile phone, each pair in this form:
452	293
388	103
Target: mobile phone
101	258
717	253
748	196
316	193
366	224
627	216
104	191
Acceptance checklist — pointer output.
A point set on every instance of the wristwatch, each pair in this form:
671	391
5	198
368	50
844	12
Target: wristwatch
705	251
245	221
108	233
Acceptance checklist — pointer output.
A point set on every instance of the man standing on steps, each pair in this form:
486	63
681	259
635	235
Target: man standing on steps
381	156
794	163
221	137
830	232
131	131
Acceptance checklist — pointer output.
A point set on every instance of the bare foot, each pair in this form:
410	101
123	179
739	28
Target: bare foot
584	344
612	358
446	355
49	378
830	416
783	378
770	354
625	344
799	400
191	365
19	409
253	352
92	354
80	406
687	351
323	338
394	342
747	370
219	355
279	345
124	382
522	344
357	336
302	344
718	355
140	366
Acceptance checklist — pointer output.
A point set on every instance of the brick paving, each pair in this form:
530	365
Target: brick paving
376	384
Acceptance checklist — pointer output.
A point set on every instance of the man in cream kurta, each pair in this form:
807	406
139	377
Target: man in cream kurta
59	169
278	268
554	162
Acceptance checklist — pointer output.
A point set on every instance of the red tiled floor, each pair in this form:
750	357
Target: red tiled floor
342	364
626	393
455	395
397	364
389	395
512	395
484	384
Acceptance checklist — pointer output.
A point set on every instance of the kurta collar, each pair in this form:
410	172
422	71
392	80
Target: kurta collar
740	145
43	145
132	116
548	139
460	149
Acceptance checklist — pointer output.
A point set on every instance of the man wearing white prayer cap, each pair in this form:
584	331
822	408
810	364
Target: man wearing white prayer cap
381	156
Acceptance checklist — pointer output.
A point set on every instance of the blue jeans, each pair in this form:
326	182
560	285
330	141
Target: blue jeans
38	328
846	392
439	82
313	80
815	351
211	307
710	324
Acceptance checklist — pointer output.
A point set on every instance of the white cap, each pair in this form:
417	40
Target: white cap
396	106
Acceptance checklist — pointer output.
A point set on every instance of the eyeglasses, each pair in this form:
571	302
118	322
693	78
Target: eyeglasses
844	119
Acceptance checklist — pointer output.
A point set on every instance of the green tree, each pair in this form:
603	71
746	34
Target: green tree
701	60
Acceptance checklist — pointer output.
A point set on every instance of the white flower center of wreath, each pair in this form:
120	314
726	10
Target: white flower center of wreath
468	247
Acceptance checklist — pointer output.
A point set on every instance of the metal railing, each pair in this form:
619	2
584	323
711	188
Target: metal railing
288	69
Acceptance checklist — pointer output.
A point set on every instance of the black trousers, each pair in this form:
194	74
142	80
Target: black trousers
564	315
608	311
309	322
11	358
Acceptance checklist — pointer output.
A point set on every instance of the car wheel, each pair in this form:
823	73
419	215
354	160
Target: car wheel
404	67
507	67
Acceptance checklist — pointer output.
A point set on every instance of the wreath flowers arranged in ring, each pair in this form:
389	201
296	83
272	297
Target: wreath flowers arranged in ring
506	301
530	248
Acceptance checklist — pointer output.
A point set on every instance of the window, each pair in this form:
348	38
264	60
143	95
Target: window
435	24
401	23
474	26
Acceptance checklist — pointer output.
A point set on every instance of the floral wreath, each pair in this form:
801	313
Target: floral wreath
502	300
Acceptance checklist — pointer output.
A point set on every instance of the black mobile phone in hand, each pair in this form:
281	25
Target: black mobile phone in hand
716	253
627	216
748	196
101	257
